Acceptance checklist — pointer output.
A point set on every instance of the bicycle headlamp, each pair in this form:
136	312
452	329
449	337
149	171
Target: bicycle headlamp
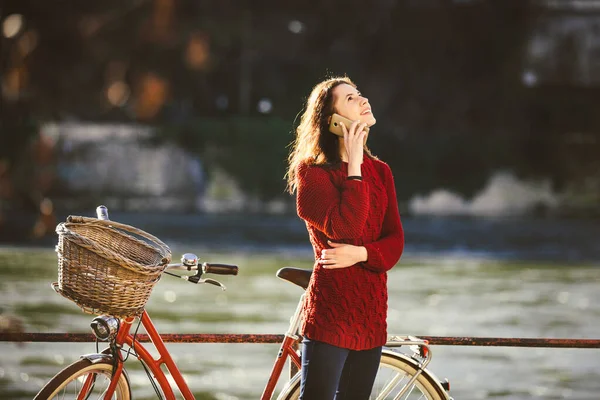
105	327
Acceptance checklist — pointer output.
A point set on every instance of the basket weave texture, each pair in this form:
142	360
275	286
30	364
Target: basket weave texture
106	267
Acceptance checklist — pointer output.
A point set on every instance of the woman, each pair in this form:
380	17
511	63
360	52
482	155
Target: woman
347	198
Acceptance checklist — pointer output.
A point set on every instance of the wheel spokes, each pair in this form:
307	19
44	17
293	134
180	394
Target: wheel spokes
392	383
88	385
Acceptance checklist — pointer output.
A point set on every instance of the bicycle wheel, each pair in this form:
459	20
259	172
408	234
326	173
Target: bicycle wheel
395	370
84	375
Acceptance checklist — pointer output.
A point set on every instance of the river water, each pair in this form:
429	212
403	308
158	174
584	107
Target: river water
458	277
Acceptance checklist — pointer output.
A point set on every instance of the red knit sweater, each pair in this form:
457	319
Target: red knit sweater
347	307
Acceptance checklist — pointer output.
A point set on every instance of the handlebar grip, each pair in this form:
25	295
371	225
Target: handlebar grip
220	269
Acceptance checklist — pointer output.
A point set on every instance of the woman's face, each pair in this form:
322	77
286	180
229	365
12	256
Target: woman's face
349	103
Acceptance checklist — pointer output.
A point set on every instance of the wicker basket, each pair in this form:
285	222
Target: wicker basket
106	267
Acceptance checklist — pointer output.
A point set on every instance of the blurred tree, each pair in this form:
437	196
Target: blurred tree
444	77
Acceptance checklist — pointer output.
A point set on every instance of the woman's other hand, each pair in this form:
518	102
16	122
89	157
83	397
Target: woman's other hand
342	255
354	141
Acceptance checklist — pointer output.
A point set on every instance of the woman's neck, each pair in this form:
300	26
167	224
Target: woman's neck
343	153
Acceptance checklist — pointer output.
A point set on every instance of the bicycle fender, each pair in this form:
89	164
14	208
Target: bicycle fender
97	357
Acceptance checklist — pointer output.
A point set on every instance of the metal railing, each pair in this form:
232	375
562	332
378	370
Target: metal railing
268	338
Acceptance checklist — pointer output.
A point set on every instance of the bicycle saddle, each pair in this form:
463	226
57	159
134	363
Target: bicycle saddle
298	276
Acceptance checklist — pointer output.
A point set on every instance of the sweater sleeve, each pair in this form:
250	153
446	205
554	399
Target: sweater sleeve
338	212
384	253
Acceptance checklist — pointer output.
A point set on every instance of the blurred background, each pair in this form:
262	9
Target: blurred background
177	114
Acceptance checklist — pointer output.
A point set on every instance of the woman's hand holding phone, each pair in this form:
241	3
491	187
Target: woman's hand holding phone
354	139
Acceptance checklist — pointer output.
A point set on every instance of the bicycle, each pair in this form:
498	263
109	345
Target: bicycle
103	375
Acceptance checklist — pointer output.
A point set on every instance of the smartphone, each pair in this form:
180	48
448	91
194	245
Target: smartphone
336	128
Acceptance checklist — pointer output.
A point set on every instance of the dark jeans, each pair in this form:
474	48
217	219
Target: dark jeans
330	372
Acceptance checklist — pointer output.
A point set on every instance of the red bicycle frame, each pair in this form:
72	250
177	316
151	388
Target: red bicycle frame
124	336
154	365
286	350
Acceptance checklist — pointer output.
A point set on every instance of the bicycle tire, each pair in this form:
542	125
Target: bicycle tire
394	364
66	383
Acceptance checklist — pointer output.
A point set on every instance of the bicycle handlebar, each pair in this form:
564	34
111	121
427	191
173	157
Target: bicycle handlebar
206	268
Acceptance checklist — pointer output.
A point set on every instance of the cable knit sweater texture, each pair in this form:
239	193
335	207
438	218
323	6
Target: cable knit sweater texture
347	307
